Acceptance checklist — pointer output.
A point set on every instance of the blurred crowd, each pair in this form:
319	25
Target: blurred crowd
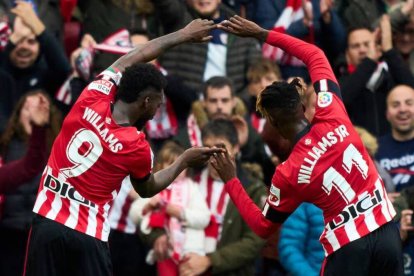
51	49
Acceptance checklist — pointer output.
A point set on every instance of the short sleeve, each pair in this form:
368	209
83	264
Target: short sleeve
143	161
329	105
105	84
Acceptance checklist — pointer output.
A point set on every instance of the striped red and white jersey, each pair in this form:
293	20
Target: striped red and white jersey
89	159
330	167
118	214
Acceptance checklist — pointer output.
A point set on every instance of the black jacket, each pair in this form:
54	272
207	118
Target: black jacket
366	108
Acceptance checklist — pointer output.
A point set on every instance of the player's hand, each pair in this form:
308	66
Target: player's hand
242	27
25	11
199	156
198	30
225	165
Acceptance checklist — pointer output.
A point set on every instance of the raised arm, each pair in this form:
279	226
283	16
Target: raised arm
311	55
196	31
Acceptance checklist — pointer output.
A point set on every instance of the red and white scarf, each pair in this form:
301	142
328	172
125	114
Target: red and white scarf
217	208
257	122
164	124
5	32
292	12
194	132
117	43
178	193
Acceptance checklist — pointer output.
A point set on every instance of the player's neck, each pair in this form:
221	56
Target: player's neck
302	128
120	113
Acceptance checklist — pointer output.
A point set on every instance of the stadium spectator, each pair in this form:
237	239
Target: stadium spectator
313	21
32	57
103	19
19	171
404	42
299	248
32	113
48	10
404	206
396	148
225	55
219	101
368	74
128	252
230	245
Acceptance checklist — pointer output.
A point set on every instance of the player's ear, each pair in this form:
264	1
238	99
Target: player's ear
147	101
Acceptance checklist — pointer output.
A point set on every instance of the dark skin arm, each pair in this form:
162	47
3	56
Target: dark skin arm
197	30
193	157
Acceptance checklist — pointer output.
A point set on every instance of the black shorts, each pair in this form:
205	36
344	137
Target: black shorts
378	253
55	249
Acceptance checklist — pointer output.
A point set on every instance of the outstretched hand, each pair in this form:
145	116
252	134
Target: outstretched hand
198	30
198	156
242	27
225	165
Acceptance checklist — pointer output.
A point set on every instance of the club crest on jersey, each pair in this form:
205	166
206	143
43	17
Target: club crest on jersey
103	86
324	99
274	196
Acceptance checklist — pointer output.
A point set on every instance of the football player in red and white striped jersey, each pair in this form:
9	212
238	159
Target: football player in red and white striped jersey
328	166
98	146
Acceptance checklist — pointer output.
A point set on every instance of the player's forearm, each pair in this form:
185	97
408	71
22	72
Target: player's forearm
249	211
311	55
161	179
151	49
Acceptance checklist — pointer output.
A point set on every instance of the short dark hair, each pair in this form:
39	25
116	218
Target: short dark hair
223	128
217	82
352	29
137	78
279	95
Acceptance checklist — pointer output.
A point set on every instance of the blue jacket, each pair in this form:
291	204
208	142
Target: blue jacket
300	251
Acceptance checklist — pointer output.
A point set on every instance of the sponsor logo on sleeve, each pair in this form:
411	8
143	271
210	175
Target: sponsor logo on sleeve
324	99
103	86
274	196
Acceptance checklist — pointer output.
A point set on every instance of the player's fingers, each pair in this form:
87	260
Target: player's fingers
237	19
213	163
207	38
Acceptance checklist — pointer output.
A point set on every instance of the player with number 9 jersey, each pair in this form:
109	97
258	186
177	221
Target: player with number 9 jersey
90	143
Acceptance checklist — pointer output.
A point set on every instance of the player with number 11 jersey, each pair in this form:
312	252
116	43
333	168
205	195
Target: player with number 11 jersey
327	166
